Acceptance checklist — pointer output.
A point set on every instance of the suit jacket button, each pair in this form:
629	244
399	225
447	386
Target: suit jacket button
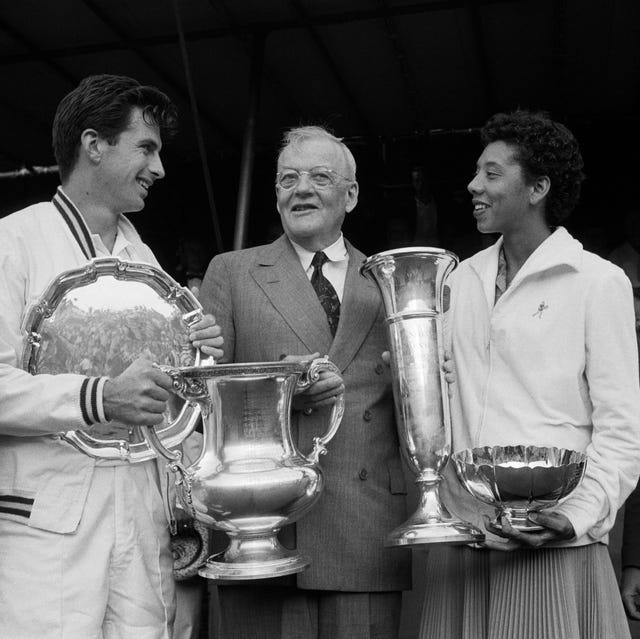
363	474
308	411
367	415
379	369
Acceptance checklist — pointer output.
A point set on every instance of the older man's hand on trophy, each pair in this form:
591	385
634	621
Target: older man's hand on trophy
206	335
138	396
321	393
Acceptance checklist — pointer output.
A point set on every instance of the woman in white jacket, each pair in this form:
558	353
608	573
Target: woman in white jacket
544	346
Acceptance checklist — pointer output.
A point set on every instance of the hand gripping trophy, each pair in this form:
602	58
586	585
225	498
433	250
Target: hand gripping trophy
412	283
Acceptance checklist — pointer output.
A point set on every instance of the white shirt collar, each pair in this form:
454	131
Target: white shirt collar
336	252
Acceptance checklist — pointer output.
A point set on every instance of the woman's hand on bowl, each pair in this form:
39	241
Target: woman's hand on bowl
556	528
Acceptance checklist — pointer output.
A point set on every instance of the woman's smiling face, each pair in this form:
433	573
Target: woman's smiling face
500	194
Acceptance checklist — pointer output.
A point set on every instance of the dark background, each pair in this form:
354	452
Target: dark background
404	83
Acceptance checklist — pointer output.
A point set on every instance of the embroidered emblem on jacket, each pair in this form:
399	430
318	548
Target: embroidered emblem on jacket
541	308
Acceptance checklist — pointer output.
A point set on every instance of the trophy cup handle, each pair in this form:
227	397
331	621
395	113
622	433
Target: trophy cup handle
189	390
311	375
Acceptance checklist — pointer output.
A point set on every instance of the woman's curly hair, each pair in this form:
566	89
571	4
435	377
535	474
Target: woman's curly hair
542	147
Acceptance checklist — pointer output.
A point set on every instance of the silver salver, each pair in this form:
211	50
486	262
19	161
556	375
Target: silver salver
96	320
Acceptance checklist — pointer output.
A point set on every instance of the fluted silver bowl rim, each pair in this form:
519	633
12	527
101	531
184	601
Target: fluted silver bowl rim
469	462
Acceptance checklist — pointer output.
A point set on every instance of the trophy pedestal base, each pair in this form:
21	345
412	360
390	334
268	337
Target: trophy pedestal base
444	532
219	569
253	558
431	523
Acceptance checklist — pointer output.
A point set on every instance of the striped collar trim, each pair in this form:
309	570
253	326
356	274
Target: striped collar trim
74	220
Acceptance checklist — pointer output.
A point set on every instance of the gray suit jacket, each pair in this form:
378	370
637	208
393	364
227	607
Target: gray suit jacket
264	302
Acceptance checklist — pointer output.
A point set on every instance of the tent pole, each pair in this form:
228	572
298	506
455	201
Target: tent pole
196	122
249	142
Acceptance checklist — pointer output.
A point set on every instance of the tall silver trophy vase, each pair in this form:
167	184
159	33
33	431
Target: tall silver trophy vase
412	283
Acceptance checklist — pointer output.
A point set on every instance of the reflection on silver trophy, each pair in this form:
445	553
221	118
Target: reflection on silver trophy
412	283
95	320
249	479
519	480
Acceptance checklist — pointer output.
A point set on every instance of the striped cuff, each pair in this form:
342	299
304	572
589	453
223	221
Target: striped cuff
91	400
16	505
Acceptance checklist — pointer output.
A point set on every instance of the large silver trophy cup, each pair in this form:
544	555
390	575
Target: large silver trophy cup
412	283
250	479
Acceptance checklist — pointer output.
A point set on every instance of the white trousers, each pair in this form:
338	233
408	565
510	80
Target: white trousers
110	579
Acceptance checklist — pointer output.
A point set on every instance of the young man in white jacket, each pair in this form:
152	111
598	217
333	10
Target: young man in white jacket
84	543
543	340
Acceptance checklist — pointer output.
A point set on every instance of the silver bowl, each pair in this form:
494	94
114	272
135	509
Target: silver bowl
518	480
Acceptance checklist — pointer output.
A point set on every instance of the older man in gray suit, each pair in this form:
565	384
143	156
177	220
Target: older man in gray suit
287	299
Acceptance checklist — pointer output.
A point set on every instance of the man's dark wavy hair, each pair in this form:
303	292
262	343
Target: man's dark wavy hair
542	147
104	103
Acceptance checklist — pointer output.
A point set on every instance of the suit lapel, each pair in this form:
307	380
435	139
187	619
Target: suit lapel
359	309
278	272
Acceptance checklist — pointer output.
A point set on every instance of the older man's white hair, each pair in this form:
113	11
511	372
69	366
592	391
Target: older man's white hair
296	136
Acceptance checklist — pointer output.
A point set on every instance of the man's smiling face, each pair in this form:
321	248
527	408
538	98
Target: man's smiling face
311	216
131	164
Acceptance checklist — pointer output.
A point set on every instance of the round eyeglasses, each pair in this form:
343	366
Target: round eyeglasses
320	176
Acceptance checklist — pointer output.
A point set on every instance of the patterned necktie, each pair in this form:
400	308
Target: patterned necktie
325	291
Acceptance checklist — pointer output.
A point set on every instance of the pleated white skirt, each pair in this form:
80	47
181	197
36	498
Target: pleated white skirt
553	593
